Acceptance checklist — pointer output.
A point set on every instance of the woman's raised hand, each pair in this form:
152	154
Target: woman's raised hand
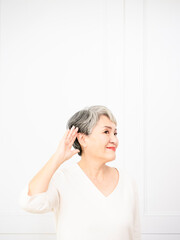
40	181
64	151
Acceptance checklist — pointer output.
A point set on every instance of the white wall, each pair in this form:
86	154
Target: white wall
152	112
60	56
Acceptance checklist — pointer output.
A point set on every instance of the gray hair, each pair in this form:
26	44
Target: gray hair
86	119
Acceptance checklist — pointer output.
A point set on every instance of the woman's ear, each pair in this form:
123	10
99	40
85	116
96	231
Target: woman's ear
82	139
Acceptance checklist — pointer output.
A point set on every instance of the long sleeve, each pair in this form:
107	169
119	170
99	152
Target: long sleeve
41	202
137	222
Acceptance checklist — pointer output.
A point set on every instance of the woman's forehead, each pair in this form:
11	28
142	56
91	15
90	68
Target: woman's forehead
105	122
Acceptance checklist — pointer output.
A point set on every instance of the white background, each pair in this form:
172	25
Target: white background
58	57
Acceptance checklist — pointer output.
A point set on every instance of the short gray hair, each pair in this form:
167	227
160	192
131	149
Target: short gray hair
86	119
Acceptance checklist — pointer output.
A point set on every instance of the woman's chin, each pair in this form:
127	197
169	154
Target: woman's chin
112	157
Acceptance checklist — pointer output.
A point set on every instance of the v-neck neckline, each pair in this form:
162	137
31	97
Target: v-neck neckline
96	188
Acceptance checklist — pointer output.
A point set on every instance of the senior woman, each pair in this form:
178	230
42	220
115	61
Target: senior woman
91	200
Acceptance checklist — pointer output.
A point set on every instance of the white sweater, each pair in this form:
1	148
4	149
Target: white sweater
83	212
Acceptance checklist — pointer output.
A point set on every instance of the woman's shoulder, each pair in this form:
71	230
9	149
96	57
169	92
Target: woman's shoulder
126	175
62	175
130	179
64	170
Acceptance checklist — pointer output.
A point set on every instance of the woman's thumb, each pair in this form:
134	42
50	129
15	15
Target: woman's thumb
76	151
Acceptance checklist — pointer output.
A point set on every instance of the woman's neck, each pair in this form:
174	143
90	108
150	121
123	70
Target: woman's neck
96	170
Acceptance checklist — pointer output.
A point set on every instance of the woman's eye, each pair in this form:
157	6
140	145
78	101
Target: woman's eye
108	132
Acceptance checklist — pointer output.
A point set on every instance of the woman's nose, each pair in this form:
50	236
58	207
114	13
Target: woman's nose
113	138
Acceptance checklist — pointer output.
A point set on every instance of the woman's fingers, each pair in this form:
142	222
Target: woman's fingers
64	147
66	134
73	138
71	134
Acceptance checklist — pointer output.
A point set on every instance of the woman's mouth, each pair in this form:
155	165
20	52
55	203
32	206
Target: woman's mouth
112	148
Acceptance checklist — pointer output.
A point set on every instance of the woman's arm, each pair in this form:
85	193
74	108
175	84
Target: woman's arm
41	180
42	194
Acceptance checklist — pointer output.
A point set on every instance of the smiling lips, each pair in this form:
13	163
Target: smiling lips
112	148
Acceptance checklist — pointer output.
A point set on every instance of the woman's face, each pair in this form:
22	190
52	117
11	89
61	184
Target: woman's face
104	135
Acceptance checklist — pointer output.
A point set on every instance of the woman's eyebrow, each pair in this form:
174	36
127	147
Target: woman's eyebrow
109	127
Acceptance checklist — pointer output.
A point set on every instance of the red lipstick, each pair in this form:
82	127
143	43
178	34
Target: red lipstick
113	148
